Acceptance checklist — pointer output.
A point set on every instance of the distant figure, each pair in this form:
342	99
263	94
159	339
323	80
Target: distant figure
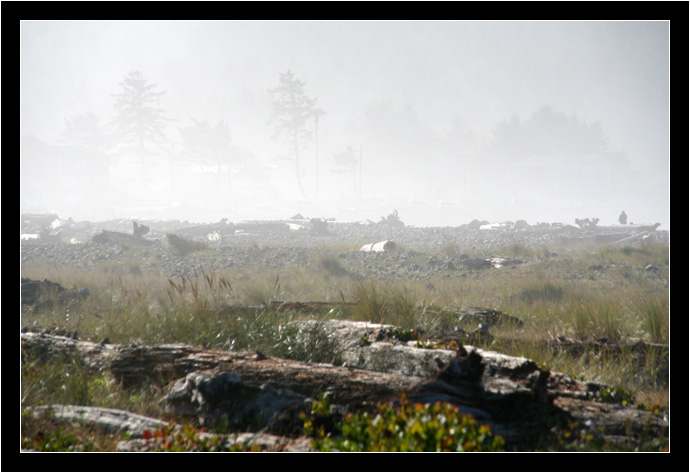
623	219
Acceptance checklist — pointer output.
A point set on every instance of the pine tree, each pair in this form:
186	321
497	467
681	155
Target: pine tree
291	110
139	123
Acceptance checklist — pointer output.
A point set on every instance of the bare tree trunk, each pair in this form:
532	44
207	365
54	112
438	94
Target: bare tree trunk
297	168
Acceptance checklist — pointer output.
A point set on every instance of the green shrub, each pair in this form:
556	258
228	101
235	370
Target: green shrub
404	428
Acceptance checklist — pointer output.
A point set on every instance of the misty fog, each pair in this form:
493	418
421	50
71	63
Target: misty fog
444	121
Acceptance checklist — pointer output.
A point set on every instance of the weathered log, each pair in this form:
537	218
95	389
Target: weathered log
228	228
111	420
139	230
610	237
132	365
637	236
311	307
520	400
380	247
107	236
478	315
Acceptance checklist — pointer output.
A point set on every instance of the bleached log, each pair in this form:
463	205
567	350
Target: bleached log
379	247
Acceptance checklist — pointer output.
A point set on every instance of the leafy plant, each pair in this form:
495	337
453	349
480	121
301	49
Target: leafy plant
614	395
404	334
403	428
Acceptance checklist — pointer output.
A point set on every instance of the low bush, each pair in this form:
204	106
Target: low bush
407	427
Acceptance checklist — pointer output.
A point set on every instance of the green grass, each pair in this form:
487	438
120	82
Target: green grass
387	303
541	291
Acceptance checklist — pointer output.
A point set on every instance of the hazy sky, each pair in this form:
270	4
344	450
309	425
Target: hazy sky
480	73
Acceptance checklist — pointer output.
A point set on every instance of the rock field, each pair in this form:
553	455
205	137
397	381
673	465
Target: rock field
419	253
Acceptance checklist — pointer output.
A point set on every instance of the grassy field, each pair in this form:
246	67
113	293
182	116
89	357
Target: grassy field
582	292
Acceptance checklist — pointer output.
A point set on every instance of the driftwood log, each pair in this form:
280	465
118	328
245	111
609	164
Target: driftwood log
132	365
380	247
107	236
521	401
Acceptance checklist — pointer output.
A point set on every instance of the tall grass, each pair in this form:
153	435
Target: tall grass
655	317
641	254
596	320
542	291
69	381
371	301
308	341
201	310
386	303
